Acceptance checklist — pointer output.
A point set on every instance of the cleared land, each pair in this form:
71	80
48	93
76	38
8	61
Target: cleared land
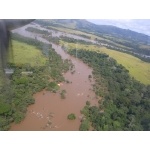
138	69
24	53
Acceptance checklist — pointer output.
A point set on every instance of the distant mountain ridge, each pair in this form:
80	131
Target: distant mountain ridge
137	25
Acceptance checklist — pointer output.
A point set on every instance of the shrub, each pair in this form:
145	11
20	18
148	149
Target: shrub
71	116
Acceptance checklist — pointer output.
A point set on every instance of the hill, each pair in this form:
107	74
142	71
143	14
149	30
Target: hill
138	25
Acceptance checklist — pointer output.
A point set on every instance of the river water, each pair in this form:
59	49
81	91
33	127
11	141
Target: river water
50	111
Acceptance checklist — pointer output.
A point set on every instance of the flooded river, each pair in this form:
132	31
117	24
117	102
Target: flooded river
50	111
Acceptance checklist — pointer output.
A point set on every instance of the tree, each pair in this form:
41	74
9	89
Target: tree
85	125
71	116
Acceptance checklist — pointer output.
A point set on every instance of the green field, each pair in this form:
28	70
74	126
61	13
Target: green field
24	53
138	69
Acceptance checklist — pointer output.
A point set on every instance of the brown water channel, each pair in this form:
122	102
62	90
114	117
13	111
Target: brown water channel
50	111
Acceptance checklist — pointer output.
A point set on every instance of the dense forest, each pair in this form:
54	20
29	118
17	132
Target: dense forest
125	102
17	94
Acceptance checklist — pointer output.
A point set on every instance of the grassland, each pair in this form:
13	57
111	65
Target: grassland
138	69
24	53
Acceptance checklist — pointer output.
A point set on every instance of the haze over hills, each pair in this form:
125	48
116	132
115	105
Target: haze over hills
138	25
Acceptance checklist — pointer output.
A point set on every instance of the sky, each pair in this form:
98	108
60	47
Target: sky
138	25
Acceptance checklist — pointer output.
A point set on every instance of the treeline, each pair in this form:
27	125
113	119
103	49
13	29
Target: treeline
131	52
35	30
45	34
135	46
17	94
51	39
84	36
72	40
132	48
125	102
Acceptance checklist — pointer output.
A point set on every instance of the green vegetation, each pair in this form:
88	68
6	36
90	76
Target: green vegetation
72	40
125	102
63	94
138	69
24	54
35	30
85	122
17	94
71	116
54	40
53	87
88	103
85	125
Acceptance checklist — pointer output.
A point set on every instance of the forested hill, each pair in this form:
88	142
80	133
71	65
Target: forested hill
133	41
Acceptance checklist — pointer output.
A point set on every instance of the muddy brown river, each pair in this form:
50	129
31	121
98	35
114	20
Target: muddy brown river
49	113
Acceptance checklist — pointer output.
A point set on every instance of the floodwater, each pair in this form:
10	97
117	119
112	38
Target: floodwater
49	113
52	32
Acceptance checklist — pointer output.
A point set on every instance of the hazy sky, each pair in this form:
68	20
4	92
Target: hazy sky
138	25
